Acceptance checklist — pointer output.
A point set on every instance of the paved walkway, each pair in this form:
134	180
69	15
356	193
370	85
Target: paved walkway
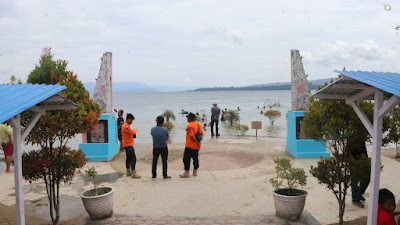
270	219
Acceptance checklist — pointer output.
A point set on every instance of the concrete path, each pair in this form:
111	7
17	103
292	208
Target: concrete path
270	219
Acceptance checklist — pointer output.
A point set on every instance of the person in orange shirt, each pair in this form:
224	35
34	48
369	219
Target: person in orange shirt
128	143
192	145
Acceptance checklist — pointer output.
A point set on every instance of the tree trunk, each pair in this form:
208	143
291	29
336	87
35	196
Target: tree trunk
58	203
341	213
51	196
48	190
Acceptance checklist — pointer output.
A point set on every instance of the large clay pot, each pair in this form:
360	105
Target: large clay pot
289	207
101	205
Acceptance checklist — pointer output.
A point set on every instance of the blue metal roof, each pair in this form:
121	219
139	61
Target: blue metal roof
17	98
354	82
388	82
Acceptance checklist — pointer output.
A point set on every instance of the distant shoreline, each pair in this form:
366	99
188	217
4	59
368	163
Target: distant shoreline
254	88
136	87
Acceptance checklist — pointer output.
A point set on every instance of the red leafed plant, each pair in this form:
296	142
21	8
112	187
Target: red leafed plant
53	166
55	163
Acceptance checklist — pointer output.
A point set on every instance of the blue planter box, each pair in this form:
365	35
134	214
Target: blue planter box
302	148
101	144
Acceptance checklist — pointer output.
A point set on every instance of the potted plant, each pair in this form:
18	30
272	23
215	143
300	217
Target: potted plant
98	202
289	201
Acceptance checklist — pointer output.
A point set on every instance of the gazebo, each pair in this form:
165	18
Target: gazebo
384	89
16	99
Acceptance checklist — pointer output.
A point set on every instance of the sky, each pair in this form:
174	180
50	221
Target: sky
200	43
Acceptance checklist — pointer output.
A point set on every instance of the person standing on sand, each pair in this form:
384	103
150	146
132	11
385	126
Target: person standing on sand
120	122
6	144
215	111
160	147
128	143
192	146
356	147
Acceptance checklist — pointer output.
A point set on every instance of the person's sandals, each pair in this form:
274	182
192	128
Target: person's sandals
359	204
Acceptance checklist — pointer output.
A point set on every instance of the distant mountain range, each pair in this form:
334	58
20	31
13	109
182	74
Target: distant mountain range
132	87
314	84
129	87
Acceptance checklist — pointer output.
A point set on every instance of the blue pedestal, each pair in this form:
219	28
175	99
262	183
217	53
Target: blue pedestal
101	144
302	148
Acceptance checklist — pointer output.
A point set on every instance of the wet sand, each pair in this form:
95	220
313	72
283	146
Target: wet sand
232	180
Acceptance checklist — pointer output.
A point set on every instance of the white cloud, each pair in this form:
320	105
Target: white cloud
232	36
188	80
214	43
366	55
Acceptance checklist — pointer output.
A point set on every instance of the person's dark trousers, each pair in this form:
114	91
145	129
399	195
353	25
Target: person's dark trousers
212	126
191	154
358	189
130	157
164	157
121	149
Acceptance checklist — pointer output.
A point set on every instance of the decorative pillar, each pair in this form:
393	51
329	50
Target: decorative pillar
101	144
103	90
297	146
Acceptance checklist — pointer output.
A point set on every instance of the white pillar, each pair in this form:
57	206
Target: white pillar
19	192
376	160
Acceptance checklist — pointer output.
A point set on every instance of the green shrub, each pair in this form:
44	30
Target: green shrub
232	116
242	128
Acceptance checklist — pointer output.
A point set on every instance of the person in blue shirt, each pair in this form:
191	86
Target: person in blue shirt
160	147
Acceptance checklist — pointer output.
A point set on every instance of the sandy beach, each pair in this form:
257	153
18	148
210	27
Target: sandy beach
232	180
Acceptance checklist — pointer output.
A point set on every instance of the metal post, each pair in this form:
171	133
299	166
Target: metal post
376	160
19	193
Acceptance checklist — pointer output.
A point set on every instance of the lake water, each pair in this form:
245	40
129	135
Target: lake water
147	106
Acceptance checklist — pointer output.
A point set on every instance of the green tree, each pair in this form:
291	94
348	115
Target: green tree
334	173
14	80
272	115
232	116
393	134
47	66
335	122
53	131
168	114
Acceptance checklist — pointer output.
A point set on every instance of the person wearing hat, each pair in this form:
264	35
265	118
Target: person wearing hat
128	143
192	146
160	138
215	112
